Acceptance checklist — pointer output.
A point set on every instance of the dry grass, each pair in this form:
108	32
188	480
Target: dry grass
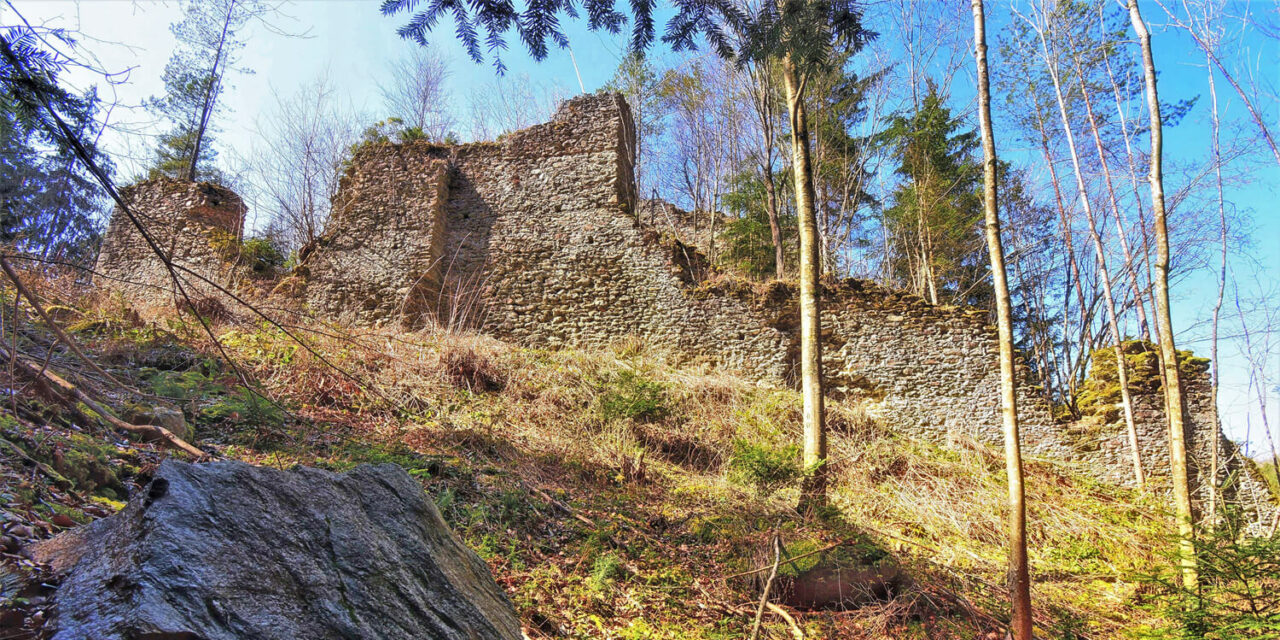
640	449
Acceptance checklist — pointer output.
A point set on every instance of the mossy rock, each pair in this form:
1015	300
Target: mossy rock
847	575
1100	394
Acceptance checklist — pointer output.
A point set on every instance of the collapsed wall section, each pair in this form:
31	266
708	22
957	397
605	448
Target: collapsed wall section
543	247
379	261
195	224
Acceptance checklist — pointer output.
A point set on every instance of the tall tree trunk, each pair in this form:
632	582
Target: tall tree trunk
775	227
1019	570
1174	404
1217	307
764	109
1073	267
1113	322
210	94
814	493
1111	195
1133	181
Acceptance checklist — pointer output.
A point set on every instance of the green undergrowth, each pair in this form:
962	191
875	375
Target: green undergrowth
619	492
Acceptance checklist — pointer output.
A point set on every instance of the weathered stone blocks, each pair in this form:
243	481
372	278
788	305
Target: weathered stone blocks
195	224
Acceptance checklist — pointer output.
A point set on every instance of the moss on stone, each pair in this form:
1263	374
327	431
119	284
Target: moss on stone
1100	394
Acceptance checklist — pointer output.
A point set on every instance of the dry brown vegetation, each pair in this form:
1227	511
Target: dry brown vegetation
610	490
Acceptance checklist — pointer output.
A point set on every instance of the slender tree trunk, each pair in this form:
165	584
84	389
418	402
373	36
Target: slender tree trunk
1257	376
814	494
1019	570
1222	288
764	108
1111	195
210	94
1073	267
775	227
1113	322
1174	404
1150	333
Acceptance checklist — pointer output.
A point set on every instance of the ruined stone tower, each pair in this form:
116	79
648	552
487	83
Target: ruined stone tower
194	223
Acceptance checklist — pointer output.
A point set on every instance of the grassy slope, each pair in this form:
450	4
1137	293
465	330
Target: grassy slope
597	484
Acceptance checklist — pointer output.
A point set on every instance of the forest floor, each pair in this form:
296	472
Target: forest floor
615	493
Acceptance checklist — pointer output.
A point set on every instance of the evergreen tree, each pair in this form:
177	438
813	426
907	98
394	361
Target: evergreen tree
935	213
49	204
838	104
748	238
210	38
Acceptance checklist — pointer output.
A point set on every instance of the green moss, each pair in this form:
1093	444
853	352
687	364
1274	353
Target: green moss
858	554
90	465
1100	394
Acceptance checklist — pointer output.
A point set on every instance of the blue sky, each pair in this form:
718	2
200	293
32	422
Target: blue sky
352	44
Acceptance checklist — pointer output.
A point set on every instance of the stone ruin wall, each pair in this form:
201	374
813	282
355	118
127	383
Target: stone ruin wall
535	239
379	258
194	223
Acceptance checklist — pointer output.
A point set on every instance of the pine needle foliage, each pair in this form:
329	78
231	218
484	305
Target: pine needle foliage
809	30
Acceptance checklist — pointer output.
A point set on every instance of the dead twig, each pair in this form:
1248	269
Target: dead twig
154	432
768	585
791	622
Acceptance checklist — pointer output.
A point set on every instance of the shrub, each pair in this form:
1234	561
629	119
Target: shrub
764	468
1239	594
606	569
261	255
631	396
466	368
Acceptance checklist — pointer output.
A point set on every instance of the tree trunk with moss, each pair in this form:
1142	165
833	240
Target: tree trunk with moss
1174	403
814	493
1019	569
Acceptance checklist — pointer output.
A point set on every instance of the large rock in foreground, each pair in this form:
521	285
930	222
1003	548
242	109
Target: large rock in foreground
227	550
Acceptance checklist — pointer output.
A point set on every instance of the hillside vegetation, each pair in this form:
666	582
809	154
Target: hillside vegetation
618	493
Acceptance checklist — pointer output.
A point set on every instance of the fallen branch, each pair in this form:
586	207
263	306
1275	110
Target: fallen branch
768	584
154	432
62	336
791	622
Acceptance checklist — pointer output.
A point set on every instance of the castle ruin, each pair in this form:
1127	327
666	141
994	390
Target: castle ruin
194	224
535	239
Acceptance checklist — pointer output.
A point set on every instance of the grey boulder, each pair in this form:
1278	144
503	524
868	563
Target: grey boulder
227	550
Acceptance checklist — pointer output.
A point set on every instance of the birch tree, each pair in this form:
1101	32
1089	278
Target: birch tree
1174	404
1046	22
1019	570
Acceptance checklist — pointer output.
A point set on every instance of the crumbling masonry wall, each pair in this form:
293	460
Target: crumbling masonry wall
542	245
379	259
194	224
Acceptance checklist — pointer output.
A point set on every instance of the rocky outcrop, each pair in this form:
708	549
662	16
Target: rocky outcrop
227	550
